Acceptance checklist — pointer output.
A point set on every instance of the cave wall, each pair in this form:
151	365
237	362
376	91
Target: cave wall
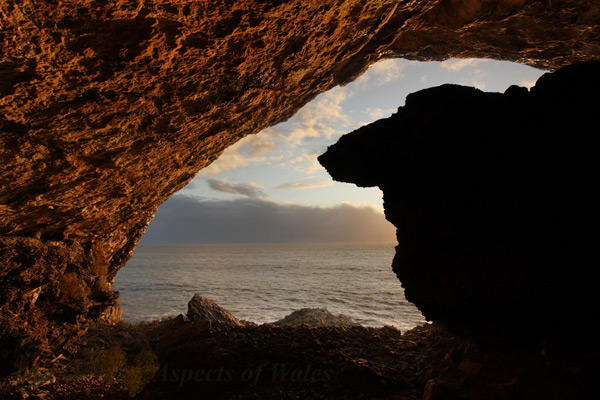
109	107
492	199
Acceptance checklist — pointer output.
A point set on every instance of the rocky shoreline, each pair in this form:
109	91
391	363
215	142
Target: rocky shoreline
212	359
202	309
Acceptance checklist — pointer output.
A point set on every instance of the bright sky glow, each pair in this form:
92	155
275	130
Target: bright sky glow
279	163
269	187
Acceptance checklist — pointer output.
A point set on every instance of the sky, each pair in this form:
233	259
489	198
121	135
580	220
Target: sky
269	187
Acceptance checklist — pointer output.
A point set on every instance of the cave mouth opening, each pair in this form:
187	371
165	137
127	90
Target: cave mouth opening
264	230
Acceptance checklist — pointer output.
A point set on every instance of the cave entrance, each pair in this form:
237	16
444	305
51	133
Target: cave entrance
264	231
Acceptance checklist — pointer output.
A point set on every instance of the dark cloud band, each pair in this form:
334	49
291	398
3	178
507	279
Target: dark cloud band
189	220
252	191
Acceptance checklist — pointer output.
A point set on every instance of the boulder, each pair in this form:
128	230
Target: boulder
202	309
315	317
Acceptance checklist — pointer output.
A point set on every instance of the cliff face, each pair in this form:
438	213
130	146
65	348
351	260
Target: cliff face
108	107
492	199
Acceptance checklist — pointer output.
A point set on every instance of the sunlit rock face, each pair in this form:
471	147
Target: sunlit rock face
492	198
109	107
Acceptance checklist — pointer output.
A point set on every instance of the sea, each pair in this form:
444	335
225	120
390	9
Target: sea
265	282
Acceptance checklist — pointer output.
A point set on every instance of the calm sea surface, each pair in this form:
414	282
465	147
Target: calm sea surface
264	283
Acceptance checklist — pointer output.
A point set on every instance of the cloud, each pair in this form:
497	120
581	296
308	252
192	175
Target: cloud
301	134
379	113
230	159
260	144
317	119
251	189
188	220
324	117
384	72
477	79
261	148
457	65
306	163
327	107
308	184
528	83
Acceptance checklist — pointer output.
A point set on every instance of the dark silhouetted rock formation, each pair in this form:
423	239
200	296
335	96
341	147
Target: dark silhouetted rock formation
493	199
109	107
203	309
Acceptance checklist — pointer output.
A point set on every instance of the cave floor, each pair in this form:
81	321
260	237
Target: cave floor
212	360
253	361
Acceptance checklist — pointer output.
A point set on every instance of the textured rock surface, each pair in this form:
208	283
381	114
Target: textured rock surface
315	317
108	107
203	309
493	201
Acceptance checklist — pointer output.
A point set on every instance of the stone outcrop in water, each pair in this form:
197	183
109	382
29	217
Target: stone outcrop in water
493	199
109	107
202	309
315	317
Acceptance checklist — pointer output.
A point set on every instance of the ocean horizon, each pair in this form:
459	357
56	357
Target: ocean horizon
265	282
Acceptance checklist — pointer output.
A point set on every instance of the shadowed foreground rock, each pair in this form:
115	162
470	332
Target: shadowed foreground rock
494	201
216	360
222	361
